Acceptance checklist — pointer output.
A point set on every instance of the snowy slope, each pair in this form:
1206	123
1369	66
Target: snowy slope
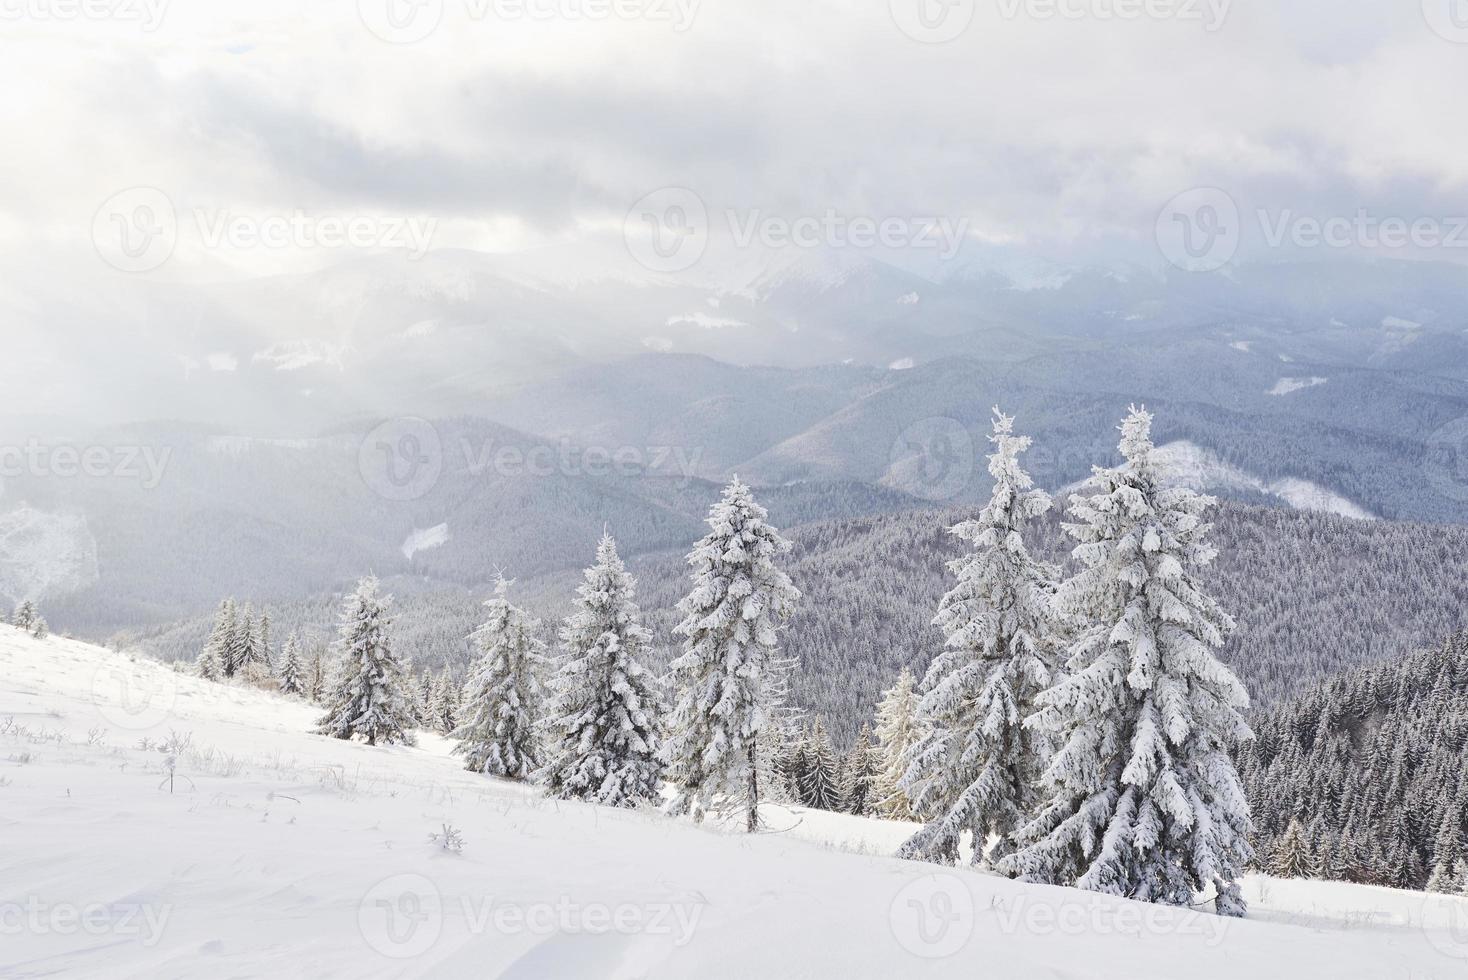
1188	464
283	854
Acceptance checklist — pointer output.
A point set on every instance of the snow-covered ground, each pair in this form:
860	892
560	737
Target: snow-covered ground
278	853
1187	464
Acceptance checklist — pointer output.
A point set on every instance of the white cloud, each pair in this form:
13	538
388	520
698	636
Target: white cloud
527	132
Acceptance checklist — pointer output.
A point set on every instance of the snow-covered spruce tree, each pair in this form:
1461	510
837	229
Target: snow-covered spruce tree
497	727
862	775
292	672
794	761
974	767
246	655
898	730
221	638
213	662
369	696
1292	856
449	699
440	703
1460	874
316	677
1442	881
601	730
40	629
1141	797
263	650
423	699
207	665
25	616
821	786
725	678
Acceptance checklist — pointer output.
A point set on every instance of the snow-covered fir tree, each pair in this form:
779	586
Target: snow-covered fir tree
443	704
974	767
1443	880
370	693
1373	762
316	677
898	730
213	662
40	629
601	730
245	653
1141	797
292	671
725	679
25	616
862	774
424	699
791	764
497	728
1292	856
264	651
207	665
820	785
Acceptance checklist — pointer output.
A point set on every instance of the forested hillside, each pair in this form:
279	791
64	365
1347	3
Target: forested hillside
1313	594
1364	777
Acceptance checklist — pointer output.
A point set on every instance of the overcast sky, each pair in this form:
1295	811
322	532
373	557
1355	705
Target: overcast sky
1063	134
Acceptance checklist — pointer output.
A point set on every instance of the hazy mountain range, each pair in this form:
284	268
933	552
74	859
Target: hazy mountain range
546	407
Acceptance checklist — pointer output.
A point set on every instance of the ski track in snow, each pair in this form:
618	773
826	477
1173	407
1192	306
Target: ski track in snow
285	854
